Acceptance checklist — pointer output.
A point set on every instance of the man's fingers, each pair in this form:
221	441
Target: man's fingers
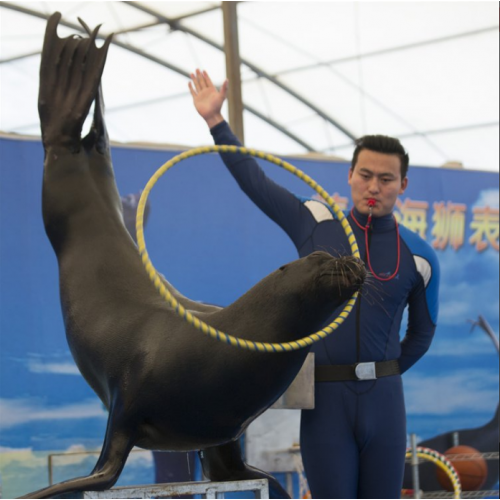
191	89
201	80
192	83
223	89
198	80
208	80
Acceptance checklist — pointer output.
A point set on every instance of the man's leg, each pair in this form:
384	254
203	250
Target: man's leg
383	446
329	449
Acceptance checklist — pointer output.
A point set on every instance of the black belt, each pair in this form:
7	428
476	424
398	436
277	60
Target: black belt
358	371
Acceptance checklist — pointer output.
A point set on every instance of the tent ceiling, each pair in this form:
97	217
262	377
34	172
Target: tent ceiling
315	75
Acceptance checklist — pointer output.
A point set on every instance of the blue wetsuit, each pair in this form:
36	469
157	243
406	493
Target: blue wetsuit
353	443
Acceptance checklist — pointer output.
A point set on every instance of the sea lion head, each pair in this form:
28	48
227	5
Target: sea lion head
299	297
321	281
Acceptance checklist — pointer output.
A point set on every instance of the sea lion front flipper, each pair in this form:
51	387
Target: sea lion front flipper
118	442
70	74
224	463
98	134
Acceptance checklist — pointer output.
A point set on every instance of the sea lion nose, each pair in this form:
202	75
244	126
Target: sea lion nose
358	261
356	268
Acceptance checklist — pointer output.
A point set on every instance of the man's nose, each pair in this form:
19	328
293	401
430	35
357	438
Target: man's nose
374	187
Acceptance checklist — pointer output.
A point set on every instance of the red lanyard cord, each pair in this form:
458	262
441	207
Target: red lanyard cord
365	229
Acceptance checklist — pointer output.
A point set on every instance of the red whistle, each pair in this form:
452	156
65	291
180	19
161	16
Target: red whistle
372	202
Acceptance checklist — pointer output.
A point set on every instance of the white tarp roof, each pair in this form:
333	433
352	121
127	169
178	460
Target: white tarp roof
426	72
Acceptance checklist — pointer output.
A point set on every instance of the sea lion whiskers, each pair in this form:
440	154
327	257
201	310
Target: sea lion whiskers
343	274
369	291
375	286
349	271
335	252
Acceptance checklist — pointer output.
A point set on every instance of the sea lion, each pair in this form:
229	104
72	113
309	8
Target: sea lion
166	386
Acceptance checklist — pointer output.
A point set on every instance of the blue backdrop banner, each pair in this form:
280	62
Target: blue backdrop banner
213	244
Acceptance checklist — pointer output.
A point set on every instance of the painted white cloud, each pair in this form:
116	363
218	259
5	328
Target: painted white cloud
488	198
57	364
462	298
73	455
77	454
15	412
68	368
24	456
470	391
32	459
7	449
457	310
457	264
140	457
463	344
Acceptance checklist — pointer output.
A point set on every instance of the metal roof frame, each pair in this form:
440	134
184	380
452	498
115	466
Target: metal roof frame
174	24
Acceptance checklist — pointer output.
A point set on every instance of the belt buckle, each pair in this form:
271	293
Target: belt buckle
365	371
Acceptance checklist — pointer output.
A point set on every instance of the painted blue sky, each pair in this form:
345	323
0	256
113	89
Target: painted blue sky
45	405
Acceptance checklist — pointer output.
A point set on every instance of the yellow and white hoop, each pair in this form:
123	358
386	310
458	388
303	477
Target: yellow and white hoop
198	323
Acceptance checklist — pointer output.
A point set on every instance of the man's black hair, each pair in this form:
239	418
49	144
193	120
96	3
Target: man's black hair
382	144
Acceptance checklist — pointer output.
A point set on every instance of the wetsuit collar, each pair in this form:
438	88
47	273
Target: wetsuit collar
385	223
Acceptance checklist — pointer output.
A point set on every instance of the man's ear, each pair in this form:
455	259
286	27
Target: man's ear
349	176
404	185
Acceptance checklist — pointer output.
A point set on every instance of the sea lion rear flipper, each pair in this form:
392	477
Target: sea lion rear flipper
70	75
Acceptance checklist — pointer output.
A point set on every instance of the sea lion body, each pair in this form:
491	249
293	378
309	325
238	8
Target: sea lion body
183	390
166	386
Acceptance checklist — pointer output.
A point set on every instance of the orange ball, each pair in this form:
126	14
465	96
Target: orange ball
472	471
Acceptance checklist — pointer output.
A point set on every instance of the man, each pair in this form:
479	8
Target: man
353	443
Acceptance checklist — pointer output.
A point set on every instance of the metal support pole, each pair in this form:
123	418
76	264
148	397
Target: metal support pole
51	470
289	483
232	51
414	467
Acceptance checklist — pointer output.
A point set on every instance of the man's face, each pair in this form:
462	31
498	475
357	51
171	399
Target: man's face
376	176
